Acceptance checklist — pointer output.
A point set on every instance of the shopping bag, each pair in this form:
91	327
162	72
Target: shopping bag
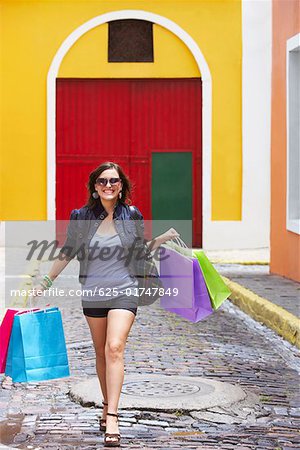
180	272
5	332
37	348
218	290
179	246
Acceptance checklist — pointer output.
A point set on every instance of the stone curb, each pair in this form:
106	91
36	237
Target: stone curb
240	262
275	317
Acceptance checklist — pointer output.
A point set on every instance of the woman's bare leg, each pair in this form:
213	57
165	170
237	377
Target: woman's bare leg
119	322
98	332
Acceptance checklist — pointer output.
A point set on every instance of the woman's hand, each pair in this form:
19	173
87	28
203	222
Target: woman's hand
38	290
162	238
170	234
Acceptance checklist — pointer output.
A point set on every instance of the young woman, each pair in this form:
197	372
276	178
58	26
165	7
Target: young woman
98	229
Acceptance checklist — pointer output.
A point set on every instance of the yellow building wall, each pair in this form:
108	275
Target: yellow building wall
31	34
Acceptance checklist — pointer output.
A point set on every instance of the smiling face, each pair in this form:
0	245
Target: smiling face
110	192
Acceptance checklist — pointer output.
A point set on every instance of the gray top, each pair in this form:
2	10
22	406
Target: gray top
108	276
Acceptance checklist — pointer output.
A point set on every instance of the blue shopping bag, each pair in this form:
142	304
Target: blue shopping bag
37	347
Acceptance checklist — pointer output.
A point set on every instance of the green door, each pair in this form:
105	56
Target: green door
172	193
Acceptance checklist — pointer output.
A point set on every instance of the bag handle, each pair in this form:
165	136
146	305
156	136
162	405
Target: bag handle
32	309
185	251
179	242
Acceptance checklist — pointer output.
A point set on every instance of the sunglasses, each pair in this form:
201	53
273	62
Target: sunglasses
104	181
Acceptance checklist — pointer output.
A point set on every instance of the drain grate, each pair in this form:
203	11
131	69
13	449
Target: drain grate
160	388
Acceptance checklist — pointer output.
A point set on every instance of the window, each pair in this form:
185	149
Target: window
293	134
130	40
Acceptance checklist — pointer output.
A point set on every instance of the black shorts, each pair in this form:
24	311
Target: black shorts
101	308
102	312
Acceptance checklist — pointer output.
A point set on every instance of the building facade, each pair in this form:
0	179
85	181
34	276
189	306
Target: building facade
285	140
177	92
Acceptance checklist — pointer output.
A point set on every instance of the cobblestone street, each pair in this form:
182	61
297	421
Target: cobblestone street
227	346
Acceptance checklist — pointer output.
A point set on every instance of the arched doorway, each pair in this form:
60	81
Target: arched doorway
135	161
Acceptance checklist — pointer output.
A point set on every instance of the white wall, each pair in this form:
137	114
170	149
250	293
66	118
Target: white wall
253	231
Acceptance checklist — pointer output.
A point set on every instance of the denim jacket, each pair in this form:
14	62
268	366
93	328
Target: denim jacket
83	224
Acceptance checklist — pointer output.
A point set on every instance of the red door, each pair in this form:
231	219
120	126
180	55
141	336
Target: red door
125	121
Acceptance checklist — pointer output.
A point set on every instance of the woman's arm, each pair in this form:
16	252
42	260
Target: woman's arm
58	266
156	242
162	238
63	259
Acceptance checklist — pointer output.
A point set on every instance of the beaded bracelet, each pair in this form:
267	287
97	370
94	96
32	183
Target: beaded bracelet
48	281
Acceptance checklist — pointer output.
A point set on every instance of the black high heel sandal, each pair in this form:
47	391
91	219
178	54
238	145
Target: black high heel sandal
117	436
103	421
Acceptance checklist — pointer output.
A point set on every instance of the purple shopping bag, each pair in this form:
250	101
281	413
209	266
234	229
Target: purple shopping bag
192	300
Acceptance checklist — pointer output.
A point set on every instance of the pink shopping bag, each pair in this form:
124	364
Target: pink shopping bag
5	332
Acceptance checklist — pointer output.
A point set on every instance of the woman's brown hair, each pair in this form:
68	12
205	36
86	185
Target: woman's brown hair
126	184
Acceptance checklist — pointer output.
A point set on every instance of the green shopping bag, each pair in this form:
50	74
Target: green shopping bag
217	289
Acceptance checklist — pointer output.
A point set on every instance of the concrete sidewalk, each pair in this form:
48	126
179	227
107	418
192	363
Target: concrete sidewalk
270	299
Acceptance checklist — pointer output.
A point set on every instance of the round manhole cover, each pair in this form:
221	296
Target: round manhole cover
149	388
163	392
